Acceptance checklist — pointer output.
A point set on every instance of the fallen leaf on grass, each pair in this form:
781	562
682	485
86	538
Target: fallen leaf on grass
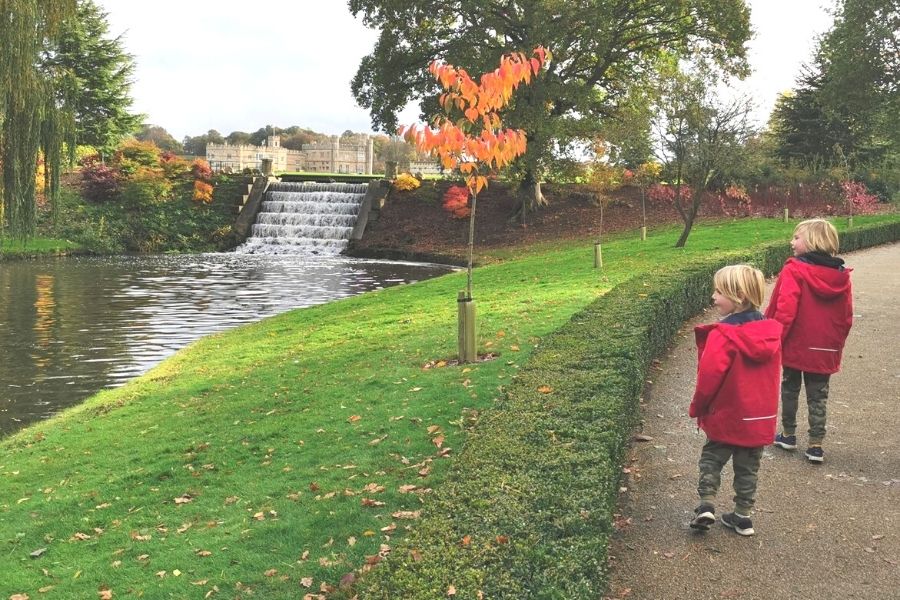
306	582
354	418
407	514
451	591
183	499
438	441
545	389
271	573
371	502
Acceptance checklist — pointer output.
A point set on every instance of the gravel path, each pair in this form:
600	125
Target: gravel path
823	532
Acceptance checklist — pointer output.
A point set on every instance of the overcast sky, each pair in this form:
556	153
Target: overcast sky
213	64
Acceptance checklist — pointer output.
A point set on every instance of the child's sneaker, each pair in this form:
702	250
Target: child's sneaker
788	442
815	454
704	517
742	525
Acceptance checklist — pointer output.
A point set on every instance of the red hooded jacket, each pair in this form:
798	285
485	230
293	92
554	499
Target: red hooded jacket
738	382
814	303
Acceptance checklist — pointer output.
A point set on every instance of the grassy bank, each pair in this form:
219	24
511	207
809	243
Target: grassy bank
274	458
14	249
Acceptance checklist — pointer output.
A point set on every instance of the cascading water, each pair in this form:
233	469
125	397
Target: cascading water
305	218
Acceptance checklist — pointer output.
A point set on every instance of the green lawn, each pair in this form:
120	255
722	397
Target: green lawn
34	246
297	447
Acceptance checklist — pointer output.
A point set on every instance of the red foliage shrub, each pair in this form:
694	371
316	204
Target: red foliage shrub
663	192
856	193
200	169
101	182
456	201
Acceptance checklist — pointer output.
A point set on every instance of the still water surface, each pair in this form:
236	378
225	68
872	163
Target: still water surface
72	326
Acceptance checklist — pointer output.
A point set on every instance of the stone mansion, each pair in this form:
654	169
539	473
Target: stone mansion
355	155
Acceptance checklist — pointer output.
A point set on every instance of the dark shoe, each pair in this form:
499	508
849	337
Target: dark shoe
741	525
704	517
815	454
788	442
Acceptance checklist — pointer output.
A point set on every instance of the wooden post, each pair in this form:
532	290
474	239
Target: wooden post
598	256
466	344
786	215
643	234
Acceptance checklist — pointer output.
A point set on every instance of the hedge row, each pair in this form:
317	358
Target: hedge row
527	512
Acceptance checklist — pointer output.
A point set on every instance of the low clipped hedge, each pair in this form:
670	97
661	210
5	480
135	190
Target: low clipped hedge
527	511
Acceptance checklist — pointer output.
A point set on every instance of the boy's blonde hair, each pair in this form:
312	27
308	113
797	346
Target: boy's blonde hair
742	284
819	235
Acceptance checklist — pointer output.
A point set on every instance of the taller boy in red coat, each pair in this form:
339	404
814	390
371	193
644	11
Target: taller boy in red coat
812	299
736	398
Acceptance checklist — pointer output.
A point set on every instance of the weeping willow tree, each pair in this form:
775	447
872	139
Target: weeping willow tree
35	116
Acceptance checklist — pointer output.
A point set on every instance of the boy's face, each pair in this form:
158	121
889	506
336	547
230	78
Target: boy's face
798	244
723	305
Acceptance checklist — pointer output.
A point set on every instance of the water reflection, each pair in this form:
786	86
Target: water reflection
72	326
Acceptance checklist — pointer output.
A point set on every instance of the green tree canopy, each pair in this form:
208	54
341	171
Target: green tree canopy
35	114
850	94
196	145
98	75
599	49
159	136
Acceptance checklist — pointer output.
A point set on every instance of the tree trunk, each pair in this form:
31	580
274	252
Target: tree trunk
684	234
689	217
530	198
471	247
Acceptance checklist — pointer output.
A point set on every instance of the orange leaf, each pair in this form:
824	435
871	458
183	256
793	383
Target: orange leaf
545	389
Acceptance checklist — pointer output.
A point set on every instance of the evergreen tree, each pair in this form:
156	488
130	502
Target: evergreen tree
850	95
98	75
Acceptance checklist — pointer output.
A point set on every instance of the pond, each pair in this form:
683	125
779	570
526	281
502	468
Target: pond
70	327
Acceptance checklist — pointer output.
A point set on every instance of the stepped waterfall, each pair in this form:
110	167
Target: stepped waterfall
305	218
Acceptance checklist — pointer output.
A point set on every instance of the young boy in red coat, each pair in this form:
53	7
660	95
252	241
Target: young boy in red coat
736	398
812	299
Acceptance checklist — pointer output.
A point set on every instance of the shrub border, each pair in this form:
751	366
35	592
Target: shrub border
527	510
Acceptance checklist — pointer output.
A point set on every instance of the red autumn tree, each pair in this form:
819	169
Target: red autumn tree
469	135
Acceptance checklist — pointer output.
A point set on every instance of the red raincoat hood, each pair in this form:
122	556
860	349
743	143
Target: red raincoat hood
825	282
757	340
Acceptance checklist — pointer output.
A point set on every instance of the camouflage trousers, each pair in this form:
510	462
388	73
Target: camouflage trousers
744	461
816	398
